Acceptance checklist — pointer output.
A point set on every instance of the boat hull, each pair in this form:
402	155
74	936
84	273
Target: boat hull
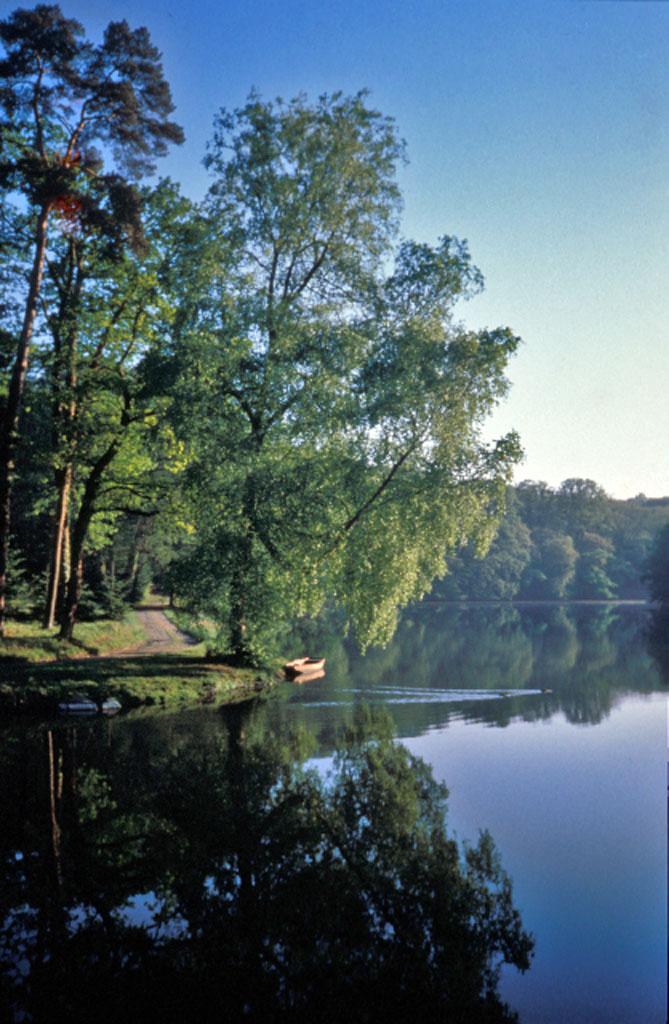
304	667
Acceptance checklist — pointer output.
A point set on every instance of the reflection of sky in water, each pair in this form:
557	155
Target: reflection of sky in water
575	797
579	815
573	787
145	909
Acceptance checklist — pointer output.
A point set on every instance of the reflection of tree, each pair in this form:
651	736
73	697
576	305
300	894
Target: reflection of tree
266	892
587	656
658	641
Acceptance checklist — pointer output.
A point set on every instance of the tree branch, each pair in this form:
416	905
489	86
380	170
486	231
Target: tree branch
350	523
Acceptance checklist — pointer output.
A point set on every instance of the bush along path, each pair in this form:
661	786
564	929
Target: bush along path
161	667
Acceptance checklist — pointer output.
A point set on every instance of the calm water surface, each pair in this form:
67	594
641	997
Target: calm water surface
571	784
547	725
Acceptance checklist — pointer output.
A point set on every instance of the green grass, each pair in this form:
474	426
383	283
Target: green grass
203	630
29	641
37	671
163	681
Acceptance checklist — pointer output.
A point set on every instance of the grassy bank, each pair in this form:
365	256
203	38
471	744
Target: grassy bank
168	681
37	672
29	641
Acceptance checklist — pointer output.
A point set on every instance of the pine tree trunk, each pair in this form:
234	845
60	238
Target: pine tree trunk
54	777
64	416
10	425
136	562
238	627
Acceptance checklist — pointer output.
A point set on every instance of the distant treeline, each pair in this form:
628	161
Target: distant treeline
573	541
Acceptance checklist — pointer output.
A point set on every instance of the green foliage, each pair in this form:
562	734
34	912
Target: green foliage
572	542
336	455
61	95
591	580
104	598
25	591
498	575
557	557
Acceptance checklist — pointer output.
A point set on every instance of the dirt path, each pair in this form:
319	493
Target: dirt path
162	636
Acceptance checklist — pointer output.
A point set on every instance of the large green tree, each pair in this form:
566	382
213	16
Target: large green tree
60	96
337	451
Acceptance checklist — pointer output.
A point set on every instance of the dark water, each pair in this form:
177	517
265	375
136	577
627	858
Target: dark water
548	726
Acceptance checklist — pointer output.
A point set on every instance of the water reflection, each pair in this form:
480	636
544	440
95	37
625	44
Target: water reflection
531	662
193	868
658	635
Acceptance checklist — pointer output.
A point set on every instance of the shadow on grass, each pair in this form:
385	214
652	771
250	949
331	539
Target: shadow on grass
166	666
51	647
165	680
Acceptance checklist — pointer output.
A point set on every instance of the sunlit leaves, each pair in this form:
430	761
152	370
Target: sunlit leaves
337	454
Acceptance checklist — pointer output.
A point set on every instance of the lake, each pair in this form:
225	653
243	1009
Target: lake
547	724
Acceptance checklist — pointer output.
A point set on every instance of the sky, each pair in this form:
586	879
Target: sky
538	131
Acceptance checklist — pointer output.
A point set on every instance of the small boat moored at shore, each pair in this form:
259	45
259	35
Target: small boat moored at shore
308	677
304	667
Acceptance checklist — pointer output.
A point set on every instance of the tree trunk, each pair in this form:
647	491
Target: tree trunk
10	425
74	584
239	640
72	596
64	484
79	535
238	628
64	416
136	561
67	555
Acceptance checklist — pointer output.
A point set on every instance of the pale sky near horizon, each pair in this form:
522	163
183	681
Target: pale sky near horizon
538	131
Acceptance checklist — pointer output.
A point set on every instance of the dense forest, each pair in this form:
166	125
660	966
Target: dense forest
570	542
261	403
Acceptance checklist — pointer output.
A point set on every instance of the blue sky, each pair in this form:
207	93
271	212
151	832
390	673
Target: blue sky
539	131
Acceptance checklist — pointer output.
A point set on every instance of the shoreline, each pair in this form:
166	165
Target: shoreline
162	668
